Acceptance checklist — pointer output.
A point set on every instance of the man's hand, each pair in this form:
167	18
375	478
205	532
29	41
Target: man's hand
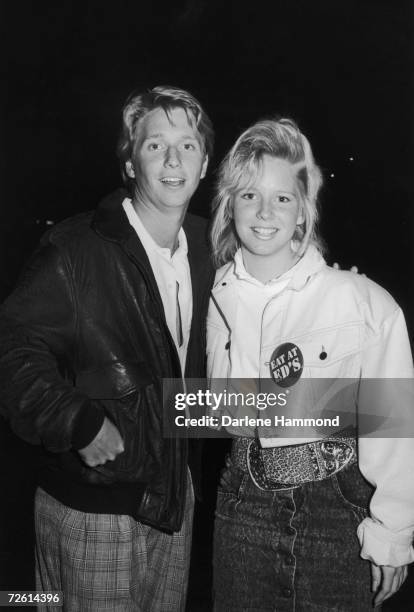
386	581
106	445
338	267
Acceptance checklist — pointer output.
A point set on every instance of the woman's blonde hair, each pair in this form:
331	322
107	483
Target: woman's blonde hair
279	138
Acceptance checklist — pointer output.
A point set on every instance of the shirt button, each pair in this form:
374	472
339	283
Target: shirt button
287	592
290	560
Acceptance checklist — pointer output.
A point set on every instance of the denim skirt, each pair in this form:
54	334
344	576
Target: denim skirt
293	550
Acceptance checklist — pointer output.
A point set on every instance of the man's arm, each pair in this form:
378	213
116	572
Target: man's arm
38	341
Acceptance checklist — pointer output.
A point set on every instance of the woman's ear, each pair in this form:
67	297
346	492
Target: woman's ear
301	216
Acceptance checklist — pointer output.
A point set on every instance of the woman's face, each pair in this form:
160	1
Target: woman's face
266	214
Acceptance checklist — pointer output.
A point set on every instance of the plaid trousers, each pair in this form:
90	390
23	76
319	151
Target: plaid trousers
108	562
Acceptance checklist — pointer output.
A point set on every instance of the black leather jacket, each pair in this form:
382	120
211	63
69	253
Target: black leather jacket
83	336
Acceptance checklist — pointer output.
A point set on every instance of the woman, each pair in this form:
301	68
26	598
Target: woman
299	521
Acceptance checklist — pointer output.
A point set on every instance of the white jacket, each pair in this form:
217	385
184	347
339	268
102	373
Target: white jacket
361	332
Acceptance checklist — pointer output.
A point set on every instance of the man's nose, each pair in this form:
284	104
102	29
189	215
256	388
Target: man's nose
172	157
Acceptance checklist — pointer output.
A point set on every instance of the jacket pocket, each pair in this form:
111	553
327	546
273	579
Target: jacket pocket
329	382
114	381
332	352
129	396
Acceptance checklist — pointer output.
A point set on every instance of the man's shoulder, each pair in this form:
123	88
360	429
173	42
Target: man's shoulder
72	236
79	229
69	229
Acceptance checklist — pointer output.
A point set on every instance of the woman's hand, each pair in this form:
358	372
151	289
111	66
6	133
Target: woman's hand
386	581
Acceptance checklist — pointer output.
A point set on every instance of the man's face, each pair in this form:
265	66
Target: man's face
168	160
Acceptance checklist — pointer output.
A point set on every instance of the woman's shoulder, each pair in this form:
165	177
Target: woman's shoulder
361	289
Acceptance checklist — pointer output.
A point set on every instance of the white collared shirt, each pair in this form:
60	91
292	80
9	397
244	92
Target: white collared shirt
172	274
253	296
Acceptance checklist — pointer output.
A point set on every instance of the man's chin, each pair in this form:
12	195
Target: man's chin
176	199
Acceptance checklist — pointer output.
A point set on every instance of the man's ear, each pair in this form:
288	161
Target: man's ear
204	167
129	169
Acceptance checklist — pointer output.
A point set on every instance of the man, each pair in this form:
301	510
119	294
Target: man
110	304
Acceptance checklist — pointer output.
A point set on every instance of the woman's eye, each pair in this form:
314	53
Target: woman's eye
283	199
248	195
154	146
188	146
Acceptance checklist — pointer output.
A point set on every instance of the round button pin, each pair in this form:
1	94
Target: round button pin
286	364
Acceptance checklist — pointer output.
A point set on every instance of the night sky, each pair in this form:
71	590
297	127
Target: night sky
342	68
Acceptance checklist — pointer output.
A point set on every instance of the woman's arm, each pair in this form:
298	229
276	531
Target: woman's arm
386	461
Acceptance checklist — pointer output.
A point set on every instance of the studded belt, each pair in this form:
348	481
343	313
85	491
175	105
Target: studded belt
286	467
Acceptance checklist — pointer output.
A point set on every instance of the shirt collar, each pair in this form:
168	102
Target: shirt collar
147	240
308	265
242	274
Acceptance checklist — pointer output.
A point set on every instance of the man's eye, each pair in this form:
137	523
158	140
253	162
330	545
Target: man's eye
154	146
188	146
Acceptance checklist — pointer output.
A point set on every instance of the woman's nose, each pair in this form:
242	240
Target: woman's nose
264	210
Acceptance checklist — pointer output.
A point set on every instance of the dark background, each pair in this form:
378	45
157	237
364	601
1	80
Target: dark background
342	69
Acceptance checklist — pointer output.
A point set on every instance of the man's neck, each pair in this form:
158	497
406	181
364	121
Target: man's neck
163	227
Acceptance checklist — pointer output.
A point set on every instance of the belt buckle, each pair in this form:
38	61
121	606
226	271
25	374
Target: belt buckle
333	456
257	472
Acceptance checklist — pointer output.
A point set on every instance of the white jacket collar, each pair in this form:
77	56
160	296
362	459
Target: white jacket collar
311	263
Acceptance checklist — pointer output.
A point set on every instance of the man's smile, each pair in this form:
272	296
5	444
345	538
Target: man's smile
172	181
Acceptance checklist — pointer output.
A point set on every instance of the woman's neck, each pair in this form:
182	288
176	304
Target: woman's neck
265	269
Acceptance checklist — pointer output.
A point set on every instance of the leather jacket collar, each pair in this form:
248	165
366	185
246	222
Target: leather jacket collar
110	220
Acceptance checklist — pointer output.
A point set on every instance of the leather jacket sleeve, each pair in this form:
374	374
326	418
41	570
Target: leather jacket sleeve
37	355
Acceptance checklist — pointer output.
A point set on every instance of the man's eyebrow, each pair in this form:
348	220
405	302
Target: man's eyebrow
160	135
